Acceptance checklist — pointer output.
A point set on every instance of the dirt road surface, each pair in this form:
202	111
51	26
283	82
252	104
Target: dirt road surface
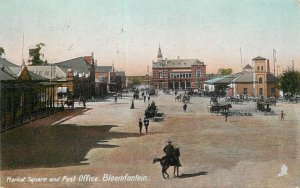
82	148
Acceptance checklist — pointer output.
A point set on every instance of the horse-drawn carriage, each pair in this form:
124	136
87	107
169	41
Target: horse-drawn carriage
186	98
151	110
263	106
219	107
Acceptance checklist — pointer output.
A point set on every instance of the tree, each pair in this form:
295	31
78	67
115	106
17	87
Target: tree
35	55
223	71
2	51
290	82
136	81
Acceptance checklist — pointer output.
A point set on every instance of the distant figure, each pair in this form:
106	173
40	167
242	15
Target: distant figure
144	98
148	98
140	125
146	124
184	107
132	105
116	98
282	115
83	101
226	115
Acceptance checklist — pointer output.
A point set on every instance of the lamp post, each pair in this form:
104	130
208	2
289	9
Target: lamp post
148	79
274	60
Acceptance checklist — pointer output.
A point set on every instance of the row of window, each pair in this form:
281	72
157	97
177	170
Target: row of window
180	75
261	68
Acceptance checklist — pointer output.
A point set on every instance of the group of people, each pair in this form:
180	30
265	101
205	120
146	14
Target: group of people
146	124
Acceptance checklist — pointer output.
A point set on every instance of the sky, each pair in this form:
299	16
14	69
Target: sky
127	33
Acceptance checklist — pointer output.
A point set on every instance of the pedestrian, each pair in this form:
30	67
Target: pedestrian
184	107
116	98
148	98
226	115
83	101
140	125
146	124
282	115
132	105
144	98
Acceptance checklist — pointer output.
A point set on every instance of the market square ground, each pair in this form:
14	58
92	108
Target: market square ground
104	139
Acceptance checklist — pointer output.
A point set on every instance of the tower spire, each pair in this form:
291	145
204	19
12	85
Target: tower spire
159	54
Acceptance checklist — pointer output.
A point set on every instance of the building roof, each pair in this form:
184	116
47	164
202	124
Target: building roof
212	81
259	58
6	73
223	79
78	65
6	63
247	67
104	68
245	77
45	71
177	63
121	73
18	70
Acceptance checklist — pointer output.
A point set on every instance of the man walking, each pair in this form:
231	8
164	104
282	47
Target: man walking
282	115
140	125
146	124
184	107
226	115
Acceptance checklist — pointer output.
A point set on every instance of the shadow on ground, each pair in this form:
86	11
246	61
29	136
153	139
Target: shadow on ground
53	146
193	174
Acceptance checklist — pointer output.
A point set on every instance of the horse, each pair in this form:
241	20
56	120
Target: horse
166	162
69	103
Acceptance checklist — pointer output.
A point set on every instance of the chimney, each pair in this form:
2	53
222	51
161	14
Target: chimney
70	74
268	66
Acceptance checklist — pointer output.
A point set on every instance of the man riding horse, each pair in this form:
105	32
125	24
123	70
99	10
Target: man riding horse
170	153
171	159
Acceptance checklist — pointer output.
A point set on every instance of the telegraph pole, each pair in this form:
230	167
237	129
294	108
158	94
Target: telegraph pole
148	78
274	60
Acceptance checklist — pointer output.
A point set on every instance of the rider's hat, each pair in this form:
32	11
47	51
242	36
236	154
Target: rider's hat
169	142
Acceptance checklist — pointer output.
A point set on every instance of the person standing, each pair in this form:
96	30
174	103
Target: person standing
140	125
144	98
148	98
184	107
146	124
226	115
282	114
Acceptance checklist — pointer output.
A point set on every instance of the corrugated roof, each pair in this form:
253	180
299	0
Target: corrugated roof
16	70
7	74
6	63
45	71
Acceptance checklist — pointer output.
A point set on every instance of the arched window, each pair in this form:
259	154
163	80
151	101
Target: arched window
262	68
260	80
257	67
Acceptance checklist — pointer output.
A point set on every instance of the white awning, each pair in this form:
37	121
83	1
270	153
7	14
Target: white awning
62	90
